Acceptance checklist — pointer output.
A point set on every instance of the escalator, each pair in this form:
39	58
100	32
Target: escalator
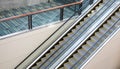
81	39
80	56
53	56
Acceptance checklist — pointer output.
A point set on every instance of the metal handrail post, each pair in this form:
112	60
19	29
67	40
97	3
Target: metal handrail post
61	13
29	21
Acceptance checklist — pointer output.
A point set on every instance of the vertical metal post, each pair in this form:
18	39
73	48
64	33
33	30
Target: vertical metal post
75	8
80	9
30	22
61	13
91	1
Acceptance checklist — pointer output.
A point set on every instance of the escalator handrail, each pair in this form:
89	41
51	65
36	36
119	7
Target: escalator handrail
13	17
108	1
69	29
100	39
77	31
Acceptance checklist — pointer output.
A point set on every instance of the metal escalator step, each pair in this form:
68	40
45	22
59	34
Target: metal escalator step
102	30
35	67
66	38
88	15
114	18
93	12
90	42
106	26
77	56
86	47
39	64
74	30
117	14
97	8
52	50
110	22
67	65
43	59
72	61
45	64
57	47
81	51
100	4
85	19
47	55
119	9
62	68
81	23
98	34
94	38
70	34
78	26
61	42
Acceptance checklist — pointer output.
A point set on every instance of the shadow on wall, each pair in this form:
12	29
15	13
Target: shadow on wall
118	66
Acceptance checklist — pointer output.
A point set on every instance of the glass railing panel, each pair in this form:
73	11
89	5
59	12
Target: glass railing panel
68	12
14	25
45	18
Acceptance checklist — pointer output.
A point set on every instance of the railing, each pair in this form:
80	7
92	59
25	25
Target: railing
29	15
61	18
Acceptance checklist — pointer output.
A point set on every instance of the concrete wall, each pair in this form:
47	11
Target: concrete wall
14	49
108	57
7	4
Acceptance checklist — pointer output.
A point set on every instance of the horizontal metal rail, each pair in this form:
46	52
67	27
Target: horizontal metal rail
40	11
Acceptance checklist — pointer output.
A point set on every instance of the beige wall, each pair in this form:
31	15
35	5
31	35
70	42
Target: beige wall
14	49
7	4
108	57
